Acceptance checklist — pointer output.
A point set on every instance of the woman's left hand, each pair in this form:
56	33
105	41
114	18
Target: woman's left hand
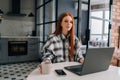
82	60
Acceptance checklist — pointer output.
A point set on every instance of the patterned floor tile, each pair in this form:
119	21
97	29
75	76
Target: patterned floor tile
18	71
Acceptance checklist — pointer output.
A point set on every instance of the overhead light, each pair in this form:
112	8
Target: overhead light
31	15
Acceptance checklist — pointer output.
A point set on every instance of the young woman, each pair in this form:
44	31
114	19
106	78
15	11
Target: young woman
63	45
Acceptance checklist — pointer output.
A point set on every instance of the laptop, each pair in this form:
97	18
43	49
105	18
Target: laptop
96	60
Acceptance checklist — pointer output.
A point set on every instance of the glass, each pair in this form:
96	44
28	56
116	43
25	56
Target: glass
98	14
95	37
96	26
107	15
99	20
106	27
50	12
84	6
105	37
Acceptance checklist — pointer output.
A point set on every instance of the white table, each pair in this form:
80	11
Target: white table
113	73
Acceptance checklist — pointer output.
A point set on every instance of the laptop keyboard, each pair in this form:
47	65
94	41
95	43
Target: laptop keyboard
74	68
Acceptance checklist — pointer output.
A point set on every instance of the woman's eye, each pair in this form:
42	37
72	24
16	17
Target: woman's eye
71	21
66	20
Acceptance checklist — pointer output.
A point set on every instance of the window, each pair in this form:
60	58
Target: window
96	26
99	25
107	15
97	14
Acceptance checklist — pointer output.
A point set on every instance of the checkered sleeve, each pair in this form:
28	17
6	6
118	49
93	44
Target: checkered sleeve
48	53
78	52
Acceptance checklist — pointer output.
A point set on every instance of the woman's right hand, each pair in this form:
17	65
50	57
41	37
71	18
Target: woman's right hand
40	68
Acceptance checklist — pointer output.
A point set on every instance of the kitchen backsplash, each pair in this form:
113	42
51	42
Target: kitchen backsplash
16	28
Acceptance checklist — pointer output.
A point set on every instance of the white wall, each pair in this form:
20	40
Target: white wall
17	26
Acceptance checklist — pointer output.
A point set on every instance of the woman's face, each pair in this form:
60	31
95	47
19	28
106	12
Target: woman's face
66	24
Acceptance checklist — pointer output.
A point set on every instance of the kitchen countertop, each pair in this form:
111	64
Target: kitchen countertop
20	36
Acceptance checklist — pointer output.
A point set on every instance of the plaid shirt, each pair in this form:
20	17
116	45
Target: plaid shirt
57	48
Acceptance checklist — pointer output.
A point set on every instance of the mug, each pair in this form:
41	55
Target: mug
45	67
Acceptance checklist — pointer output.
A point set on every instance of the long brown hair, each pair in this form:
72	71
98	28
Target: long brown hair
59	31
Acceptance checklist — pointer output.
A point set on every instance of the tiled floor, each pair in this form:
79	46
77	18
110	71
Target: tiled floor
17	71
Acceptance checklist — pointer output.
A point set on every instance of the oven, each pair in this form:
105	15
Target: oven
17	48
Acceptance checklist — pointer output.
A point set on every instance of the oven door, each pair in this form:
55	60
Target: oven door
17	48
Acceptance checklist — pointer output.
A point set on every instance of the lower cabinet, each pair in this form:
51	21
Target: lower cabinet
32	52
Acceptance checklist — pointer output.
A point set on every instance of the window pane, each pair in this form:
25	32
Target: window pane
96	26
105	38
98	14
107	15
106	27
95	37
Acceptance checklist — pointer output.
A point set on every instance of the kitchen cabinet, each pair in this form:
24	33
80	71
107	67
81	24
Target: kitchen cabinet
32	50
3	51
0	49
